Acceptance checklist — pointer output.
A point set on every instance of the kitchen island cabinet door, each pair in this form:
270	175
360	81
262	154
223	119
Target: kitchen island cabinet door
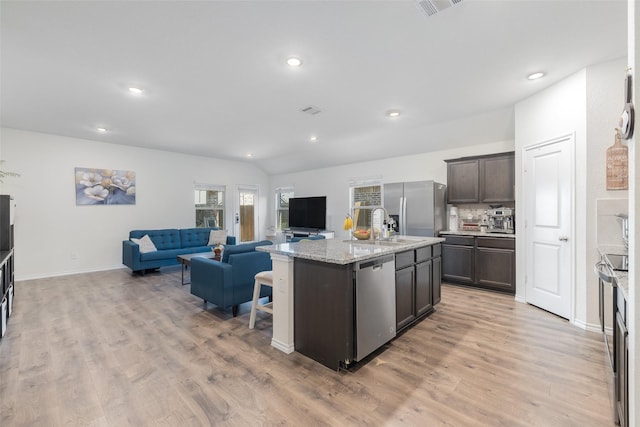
458	263
462	181
437	280
405	292
424	302
324	311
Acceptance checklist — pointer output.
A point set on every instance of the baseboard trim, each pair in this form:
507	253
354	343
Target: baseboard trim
66	273
591	327
285	348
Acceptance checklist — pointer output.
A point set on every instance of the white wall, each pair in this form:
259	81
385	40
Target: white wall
634	208
605	95
589	104
559	110
334	182
54	236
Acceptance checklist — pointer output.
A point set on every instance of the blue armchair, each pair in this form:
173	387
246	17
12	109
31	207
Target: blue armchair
229	282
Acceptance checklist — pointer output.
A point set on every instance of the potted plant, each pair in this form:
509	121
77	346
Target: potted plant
4	174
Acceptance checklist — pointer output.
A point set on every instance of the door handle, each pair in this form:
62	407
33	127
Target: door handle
563	238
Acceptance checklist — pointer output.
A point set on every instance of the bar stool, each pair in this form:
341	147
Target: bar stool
263	278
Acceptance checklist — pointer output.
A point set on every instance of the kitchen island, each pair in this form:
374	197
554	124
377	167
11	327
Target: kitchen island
339	293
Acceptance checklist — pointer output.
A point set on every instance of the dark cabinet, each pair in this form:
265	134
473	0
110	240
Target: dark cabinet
497	179
485	262
417	286
6	262
424	301
463	185
6	222
495	263
405	291
326	297
621	355
324	307
458	259
437	279
481	179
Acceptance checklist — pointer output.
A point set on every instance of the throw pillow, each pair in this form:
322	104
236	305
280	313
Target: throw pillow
145	243
217	237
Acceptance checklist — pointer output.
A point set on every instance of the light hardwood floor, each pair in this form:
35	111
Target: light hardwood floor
109	349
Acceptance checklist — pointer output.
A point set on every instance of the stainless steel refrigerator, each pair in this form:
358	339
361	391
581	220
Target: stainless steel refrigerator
419	208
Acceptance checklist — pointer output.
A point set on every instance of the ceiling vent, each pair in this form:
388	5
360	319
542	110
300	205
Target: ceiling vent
311	110
431	7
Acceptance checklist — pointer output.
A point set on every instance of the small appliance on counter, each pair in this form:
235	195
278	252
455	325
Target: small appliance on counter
500	220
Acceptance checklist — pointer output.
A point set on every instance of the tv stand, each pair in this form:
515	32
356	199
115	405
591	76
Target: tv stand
306	232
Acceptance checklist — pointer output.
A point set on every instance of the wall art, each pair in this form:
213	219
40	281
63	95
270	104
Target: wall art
105	187
618	165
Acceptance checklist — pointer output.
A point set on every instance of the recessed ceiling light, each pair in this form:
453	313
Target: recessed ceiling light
294	62
535	76
313	138
249	155
101	130
135	90
393	113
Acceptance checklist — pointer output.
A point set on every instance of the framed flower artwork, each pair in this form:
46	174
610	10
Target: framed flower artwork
105	187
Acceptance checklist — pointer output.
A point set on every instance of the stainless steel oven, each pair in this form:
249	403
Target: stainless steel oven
605	269
606	282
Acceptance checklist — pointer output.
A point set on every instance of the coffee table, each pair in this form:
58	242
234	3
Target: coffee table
185	260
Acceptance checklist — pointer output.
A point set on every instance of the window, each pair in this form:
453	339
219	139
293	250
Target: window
209	204
282	207
365	196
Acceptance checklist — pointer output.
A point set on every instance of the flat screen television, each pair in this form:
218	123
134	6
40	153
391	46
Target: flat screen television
308	212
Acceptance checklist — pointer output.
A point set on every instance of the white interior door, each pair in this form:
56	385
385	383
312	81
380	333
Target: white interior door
246	216
548	190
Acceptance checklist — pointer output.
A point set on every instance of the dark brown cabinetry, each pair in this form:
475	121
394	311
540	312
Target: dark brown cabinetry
463	185
437	279
417	284
495	263
6	262
326	302
458	253
486	262
481	179
621	355
324	308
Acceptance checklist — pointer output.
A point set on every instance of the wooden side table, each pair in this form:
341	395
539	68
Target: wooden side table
185	261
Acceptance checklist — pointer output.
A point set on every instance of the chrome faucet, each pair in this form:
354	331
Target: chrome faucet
383	229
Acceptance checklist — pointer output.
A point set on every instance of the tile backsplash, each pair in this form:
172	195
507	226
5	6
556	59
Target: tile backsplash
471	215
609	227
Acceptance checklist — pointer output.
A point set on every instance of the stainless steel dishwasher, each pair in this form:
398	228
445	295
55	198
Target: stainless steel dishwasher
375	304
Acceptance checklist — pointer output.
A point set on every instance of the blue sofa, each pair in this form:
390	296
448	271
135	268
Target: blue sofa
170	243
229	282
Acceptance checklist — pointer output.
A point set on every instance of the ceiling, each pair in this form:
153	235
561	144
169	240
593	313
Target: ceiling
216	83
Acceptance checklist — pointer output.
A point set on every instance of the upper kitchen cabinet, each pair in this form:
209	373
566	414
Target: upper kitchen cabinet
481	179
463	185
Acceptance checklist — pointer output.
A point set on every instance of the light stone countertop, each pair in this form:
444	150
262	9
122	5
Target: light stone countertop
336	251
477	233
622	277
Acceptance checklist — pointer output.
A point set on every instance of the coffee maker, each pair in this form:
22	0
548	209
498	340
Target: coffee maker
500	220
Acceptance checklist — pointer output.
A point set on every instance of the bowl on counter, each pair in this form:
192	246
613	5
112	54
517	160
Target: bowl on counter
361	234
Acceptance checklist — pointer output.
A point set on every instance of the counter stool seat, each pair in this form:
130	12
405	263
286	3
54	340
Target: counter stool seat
263	278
